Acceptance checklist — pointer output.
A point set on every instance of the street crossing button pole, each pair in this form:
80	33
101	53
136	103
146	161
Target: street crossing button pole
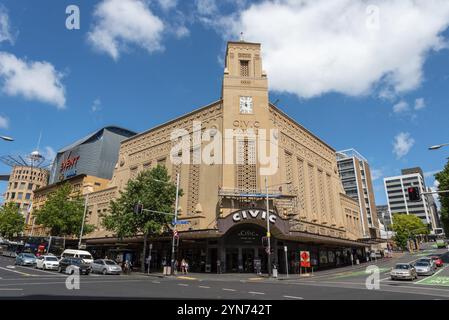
268	230
175	232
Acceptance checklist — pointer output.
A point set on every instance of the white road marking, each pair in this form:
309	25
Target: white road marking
255	292
156	281
183	285
11	289
54	273
293	297
204	287
22	273
10	267
225	289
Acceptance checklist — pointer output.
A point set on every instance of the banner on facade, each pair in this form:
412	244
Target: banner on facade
305	259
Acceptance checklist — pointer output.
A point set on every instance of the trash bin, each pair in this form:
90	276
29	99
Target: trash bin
275	272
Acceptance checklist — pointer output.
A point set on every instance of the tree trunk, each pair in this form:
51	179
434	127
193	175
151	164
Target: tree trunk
142	263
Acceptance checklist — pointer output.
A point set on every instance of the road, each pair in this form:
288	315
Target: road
345	283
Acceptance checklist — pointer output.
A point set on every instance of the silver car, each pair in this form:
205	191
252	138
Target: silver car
424	268
26	259
403	271
106	266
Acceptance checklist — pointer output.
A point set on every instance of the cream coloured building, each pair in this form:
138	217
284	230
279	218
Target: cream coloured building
224	197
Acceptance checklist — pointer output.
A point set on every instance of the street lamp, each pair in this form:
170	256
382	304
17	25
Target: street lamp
175	220
6	138
438	146
268	221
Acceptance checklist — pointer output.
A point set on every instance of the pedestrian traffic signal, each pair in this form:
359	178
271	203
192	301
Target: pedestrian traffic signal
138	208
413	194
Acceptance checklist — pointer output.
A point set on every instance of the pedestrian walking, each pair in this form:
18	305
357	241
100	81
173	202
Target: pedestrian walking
183	266
218	266
187	267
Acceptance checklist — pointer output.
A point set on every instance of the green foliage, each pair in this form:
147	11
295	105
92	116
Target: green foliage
407	227
12	221
443	179
63	213
154	195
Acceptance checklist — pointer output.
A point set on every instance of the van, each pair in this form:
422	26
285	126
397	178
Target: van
71	253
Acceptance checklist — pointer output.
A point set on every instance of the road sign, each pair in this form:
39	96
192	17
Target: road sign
305	259
180	222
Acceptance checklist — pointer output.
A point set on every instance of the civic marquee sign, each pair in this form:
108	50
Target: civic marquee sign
253	216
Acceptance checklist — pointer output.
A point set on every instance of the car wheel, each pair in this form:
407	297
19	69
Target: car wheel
105	272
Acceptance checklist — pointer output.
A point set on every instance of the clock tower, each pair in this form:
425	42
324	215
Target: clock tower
245	107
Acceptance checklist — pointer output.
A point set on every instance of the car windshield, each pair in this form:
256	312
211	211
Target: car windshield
110	262
51	259
422	264
85	256
29	256
402	266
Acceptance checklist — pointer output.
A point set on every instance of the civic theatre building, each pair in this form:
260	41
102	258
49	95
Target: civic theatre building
224	197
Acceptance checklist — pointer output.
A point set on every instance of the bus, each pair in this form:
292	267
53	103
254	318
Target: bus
12	249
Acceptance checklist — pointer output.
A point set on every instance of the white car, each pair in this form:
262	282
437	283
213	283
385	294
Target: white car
85	255
47	262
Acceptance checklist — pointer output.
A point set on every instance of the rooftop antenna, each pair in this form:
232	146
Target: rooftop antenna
241	37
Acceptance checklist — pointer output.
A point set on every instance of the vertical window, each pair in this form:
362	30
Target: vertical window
244	68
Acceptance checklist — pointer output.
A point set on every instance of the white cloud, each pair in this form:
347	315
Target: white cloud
4	123
5	32
96	106
206	7
400	107
167	4
121	23
313	47
49	154
403	142
34	80
376	174
420	103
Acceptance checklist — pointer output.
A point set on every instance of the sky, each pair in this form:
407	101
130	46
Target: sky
370	75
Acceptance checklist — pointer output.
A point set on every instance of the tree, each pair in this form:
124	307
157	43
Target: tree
443	178
407	227
154	195
63	213
12	221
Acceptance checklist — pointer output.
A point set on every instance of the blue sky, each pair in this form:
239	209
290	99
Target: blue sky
367	90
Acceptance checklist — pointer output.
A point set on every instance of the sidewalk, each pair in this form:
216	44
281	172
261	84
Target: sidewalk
263	277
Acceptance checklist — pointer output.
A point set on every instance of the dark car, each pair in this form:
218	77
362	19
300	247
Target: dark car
70	264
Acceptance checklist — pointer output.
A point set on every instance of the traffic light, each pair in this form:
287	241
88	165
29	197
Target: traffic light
413	194
138	208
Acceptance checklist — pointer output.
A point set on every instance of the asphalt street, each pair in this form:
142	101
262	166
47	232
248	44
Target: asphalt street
18	282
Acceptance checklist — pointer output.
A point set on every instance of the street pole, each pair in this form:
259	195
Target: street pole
49	245
268	229
84	218
174	228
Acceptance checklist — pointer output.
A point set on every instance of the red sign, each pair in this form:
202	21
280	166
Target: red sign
305	259
69	163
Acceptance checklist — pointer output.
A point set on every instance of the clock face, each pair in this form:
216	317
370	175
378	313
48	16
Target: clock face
246	105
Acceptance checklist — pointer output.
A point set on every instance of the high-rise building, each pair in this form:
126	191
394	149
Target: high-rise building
355	175
225	201
23	181
398	200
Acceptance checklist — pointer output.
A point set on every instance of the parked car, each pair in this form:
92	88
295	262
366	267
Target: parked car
438	261
70	264
428	260
71	253
403	271
47	262
424	268
106	266
26	259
